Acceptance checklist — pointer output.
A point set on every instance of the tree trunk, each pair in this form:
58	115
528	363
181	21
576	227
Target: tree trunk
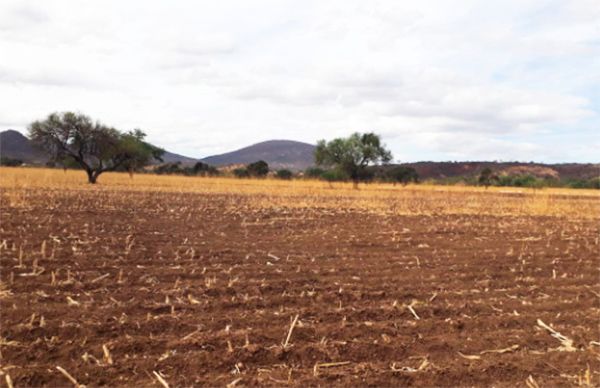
92	176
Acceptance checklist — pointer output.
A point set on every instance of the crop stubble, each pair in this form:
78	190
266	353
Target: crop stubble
261	284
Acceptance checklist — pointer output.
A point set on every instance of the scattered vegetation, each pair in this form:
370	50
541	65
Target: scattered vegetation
176	168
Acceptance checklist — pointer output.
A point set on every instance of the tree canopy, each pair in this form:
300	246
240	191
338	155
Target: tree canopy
97	148
258	169
353	154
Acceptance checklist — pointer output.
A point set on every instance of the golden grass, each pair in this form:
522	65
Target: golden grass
16	183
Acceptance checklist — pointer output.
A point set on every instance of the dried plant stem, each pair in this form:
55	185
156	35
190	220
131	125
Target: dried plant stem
69	377
287	340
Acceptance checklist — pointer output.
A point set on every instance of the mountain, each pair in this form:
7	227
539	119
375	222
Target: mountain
169	157
293	155
15	145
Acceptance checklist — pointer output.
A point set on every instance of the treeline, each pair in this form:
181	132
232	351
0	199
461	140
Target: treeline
74	140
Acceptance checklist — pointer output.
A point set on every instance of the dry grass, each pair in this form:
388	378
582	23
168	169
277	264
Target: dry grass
379	198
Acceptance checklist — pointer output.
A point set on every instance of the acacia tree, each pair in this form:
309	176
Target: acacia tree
352	155
71	137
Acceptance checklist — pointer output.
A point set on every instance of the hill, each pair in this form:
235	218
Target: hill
442	170
15	145
293	155
169	157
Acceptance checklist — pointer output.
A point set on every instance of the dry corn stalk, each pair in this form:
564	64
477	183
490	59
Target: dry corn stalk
505	350
566	344
531	383
469	357
69	377
328	365
160	379
287	340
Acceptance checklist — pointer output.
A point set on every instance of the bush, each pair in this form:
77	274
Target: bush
334	176
487	177
402	174
9	162
522	181
241	173
258	169
314	172
284	174
593	183
169	168
204	169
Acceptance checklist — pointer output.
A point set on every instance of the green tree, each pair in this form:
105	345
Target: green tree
284	174
258	169
403	175
352	155
69	136
240	172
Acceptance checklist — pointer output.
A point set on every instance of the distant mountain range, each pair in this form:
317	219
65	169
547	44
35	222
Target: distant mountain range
297	156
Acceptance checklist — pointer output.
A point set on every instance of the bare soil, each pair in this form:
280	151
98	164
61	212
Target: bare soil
203	290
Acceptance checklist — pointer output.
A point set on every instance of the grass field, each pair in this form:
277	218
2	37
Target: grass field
179	281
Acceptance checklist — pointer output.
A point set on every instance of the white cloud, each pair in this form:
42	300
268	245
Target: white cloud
438	80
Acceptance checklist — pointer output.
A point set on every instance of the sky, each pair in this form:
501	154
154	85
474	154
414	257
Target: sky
510	80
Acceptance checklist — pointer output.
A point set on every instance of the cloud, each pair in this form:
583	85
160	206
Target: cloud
464	79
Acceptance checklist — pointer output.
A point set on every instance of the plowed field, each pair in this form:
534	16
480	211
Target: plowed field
124	286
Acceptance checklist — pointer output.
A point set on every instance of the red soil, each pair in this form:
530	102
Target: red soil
210	284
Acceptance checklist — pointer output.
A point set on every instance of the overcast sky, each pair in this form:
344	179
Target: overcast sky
443	80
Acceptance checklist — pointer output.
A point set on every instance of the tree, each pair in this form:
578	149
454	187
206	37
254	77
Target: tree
258	169
284	174
240	172
204	169
69	137
487	177
403	175
352	155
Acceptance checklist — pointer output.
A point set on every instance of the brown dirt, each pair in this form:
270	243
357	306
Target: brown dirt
210	285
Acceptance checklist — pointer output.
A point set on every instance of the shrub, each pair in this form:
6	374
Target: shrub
258	169
334	176
204	169
314	172
402	174
241	173
9	162
284	174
